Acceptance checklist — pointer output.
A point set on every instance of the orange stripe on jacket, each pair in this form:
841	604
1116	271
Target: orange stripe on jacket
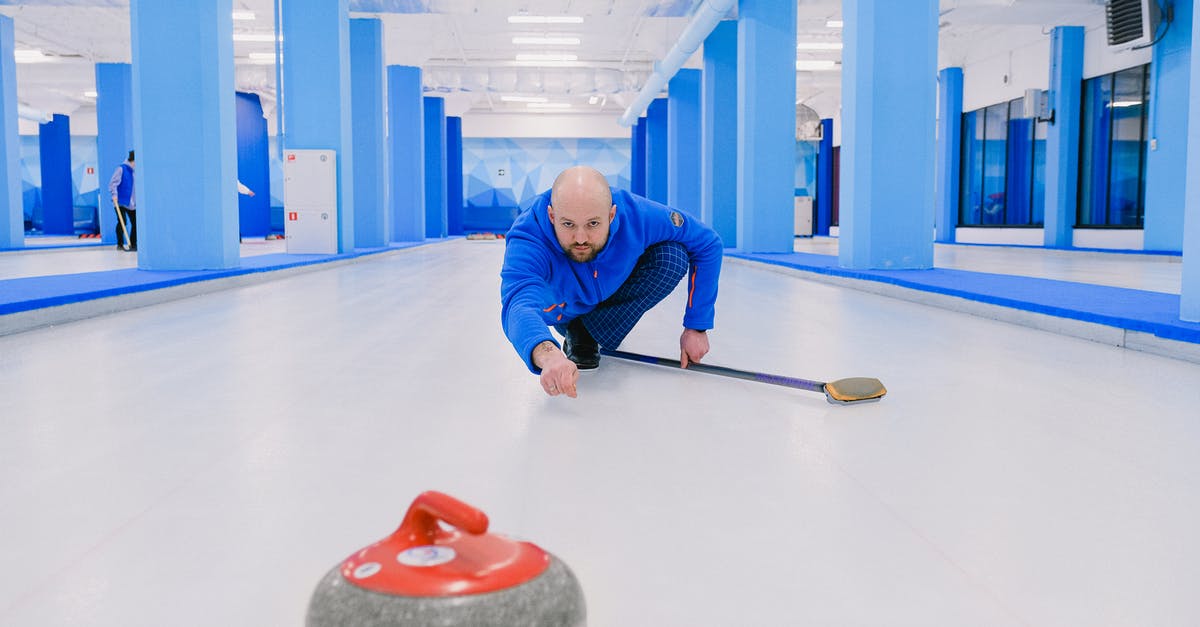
693	289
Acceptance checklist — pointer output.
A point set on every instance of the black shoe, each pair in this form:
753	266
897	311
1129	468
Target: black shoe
580	347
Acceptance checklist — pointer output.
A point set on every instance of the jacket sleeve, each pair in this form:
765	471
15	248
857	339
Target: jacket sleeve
665	224
524	289
115	181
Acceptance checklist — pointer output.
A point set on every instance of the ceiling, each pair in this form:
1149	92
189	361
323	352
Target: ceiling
468	55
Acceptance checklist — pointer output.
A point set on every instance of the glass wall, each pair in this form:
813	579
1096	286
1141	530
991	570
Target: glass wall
1003	167
1112	162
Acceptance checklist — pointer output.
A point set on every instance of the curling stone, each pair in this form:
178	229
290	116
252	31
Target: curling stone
426	574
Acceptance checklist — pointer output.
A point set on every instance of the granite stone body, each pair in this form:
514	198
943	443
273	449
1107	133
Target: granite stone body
552	599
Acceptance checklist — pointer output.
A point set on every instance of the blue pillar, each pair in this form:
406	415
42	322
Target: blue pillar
656	150
435	167
886	217
316	92
406	154
366	101
454	176
766	125
949	146
1170	68
637	170
1190	294
12	224
58	195
683	141
718	152
825	189
184	131
1062	137
114	134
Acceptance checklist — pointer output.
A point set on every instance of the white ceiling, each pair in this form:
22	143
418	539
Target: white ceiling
466	49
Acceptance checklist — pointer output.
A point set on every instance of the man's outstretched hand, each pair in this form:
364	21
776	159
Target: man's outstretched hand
559	374
693	345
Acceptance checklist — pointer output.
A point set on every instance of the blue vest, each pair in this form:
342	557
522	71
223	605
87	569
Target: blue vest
125	187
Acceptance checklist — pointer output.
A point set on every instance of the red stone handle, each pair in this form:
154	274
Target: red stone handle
420	525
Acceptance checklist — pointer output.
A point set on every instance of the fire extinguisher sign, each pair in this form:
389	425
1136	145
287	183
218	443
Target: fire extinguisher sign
293	216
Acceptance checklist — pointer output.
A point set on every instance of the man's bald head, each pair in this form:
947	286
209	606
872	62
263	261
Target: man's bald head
581	209
581	185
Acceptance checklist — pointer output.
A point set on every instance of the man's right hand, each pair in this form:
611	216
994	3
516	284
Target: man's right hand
559	374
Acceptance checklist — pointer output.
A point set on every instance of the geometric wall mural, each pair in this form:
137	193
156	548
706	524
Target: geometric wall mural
84	186
501	175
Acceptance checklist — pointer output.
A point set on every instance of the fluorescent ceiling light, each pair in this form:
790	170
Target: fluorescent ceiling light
243	15
546	57
90	94
523	98
816	65
544	19
547	41
819	45
262	56
1126	103
549	105
263	37
29	56
834	24
593	99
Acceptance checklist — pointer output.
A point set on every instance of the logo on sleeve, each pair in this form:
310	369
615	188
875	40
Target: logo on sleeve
676	219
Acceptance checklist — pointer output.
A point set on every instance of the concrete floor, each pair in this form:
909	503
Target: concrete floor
205	461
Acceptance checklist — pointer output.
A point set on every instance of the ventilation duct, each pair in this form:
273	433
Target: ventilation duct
27	112
703	21
1131	23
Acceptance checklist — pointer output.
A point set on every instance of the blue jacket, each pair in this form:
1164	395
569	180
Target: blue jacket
541	286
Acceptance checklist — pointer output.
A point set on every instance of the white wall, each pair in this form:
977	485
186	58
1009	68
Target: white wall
1006	75
542	125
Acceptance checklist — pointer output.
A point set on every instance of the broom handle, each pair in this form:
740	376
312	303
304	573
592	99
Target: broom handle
773	379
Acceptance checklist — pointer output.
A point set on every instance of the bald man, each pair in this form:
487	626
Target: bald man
590	260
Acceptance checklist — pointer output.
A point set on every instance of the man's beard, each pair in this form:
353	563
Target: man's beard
575	254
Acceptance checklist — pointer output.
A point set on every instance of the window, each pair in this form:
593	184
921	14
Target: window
1003	167
1112	163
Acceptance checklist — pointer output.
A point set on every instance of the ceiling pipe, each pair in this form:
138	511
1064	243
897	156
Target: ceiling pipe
704	20
36	115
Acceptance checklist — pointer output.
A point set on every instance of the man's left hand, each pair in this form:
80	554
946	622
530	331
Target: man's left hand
693	345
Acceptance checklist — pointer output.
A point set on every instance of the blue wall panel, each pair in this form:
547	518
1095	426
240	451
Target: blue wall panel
1170	70
406	154
58	214
683	141
114	124
718	112
1062	137
254	212
949	146
766	125
454	175
656	150
316	92
435	167
367	128
637	183
12	229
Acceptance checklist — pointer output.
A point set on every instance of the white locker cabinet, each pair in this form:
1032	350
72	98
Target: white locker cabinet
310	201
802	216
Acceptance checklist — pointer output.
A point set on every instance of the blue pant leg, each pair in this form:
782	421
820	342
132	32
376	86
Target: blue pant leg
655	276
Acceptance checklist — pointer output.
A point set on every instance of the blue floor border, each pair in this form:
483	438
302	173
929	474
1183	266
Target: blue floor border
29	293
1135	310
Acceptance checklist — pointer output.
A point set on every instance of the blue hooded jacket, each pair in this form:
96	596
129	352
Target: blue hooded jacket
541	286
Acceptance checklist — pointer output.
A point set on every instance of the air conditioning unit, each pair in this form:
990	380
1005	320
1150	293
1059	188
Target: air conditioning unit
1131	23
